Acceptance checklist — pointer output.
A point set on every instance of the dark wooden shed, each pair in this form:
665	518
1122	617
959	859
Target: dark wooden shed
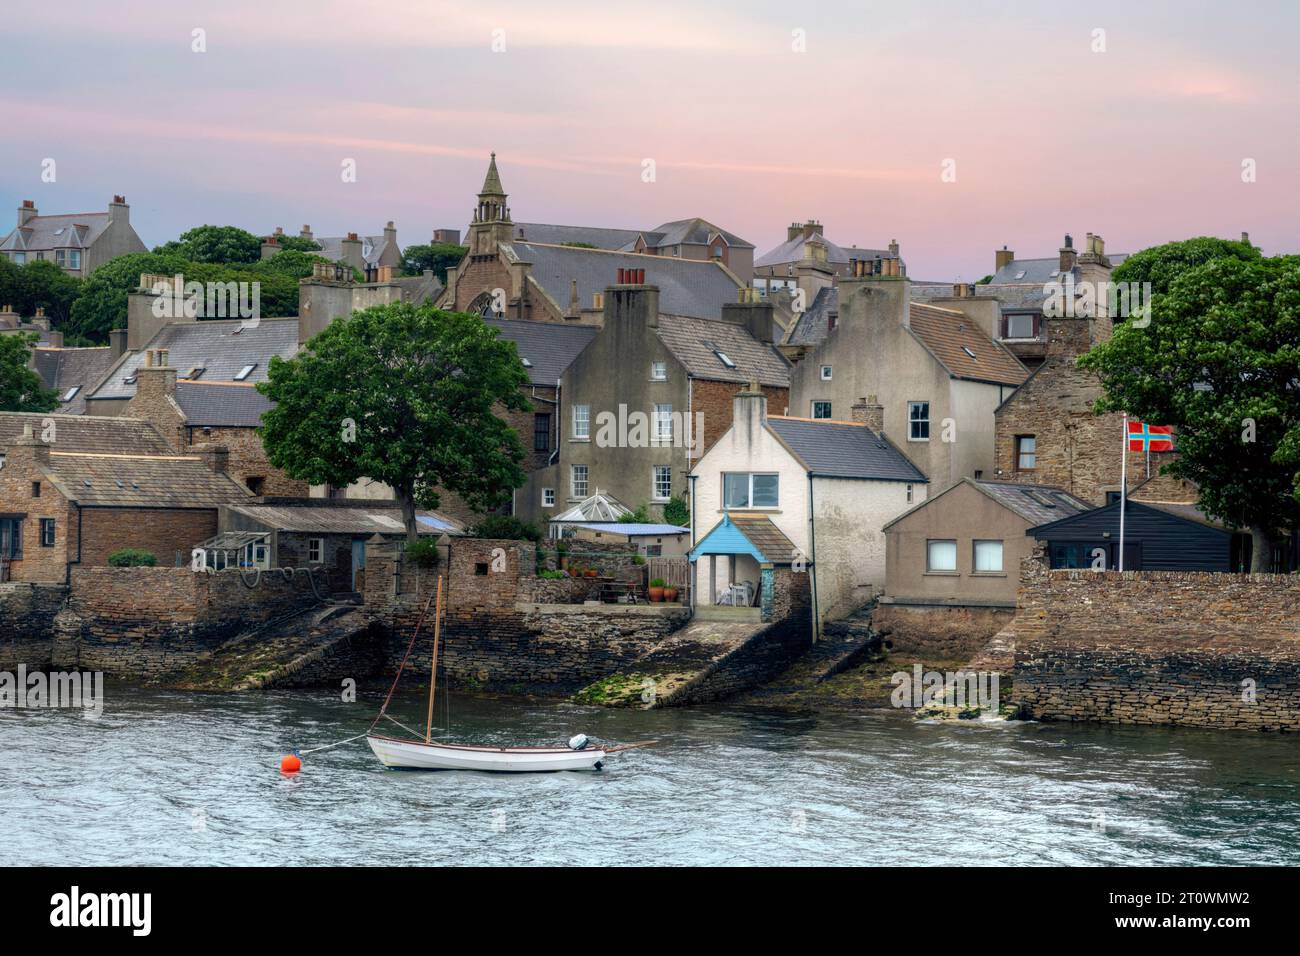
1157	537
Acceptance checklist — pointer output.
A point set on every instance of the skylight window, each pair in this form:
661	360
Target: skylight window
968	351
1020	274
244	372
527	364
722	356
129	380
70	394
196	371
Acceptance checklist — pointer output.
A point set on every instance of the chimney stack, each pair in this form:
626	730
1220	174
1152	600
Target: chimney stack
351	252
305	233
749	410
118	210
216	457
117	343
867	411
753	313
270	246
1069	257
1003	257
26	211
631	301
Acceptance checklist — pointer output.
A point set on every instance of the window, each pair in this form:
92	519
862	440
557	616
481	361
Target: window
663	424
255	483
826	373
581	423
909	493
1112	497
821	409
60	258
20	258
244	372
1026	452
918	421
11	538
968	351
662	482
723	357
548	497
577	481
315	550
1020	326
941	556
654	550
717	252
988	557
47	532
542	432
74	259
196	372
658	371
748	490
481	568
70	394
36	489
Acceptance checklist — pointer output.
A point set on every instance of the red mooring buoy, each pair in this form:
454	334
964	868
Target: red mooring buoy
290	763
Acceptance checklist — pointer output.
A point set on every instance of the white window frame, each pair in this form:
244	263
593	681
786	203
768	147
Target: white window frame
911	421
749	493
573	481
656	473
975	556
74	258
812	410
1022	316
316	547
584	420
662	424
826	372
1033	453
929	556
658	371
548	497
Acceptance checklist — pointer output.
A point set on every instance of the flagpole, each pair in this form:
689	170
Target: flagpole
1123	491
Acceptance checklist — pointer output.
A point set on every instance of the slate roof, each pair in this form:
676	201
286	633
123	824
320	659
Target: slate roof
87	433
814	324
69	231
686	286
221	404
64	368
961	346
792	250
170	481
382	518
692	342
1040	271
372	247
219	346
418	289
693	231
1037	504
558	235
834	449
764	535
548	346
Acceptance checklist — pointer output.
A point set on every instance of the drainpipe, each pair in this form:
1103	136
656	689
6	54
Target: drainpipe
812	562
695	578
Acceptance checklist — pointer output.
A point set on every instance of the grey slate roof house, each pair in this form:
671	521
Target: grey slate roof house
72	372
79	243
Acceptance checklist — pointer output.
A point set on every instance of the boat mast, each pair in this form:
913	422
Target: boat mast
433	669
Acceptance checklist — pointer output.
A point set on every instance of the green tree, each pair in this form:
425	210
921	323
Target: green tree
297	244
439	257
39	283
21	389
225	245
405	395
1161	265
677	512
1220	361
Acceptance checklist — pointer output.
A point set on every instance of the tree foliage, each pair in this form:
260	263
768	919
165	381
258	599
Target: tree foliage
439	257
1220	361
38	284
21	389
404	395
1161	265
677	512
297	244
223	245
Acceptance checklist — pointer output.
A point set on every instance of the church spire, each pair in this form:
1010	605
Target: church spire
492	182
490	223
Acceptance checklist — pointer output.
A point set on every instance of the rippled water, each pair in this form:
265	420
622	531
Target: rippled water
181	778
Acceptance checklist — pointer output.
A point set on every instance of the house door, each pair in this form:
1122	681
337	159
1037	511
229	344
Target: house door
358	559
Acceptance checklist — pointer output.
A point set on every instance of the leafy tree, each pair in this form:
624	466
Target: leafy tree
21	389
439	257
506	526
42	284
640	516
1161	265
405	395
297	244
1220	361
220	244
677	512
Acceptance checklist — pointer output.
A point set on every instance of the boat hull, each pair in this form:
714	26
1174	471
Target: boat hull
417	755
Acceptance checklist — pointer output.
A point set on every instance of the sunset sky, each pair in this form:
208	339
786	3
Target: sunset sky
1142	143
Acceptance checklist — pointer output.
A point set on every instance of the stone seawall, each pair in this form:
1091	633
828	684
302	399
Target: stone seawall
1159	647
27	613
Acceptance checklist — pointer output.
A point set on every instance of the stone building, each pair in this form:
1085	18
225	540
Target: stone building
79	243
74	489
775	270
649	393
933	375
360	252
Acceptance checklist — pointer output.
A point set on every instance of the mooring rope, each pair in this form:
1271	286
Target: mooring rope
328	746
383	711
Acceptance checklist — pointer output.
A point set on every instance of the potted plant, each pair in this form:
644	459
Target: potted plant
657	590
592	572
670	594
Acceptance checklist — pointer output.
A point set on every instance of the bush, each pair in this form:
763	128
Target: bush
640	516
677	512
423	553
551	575
637	559
132	558
505	526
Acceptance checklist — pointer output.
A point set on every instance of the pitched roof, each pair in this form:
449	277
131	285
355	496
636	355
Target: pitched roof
63	369
558	235
549	348
379	517
694	231
221	404
686	286
87	433
167	481
739	533
814	323
372	247
792	250
69	231
696	344
963	348
221	347
834	449
1037	504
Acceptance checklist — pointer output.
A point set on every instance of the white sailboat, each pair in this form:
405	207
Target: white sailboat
427	755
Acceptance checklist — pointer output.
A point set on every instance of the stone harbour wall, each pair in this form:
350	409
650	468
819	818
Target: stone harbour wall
27	613
1159	647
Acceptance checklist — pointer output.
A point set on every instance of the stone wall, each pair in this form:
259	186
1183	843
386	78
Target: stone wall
27	614
148	623
945	633
1159	647
168	534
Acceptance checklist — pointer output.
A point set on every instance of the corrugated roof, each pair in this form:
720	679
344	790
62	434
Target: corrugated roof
686	286
382	518
843	449
170	481
696	343
221	404
87	433
549	347
222	347
963	348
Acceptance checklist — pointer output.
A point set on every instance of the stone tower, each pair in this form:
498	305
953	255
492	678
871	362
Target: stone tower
491	221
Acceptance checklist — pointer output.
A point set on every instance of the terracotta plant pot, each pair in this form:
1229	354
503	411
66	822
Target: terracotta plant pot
591	574
656	595
670	595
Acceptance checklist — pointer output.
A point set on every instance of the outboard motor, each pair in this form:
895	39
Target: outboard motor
578	742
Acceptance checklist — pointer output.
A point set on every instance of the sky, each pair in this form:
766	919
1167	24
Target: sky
953	127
